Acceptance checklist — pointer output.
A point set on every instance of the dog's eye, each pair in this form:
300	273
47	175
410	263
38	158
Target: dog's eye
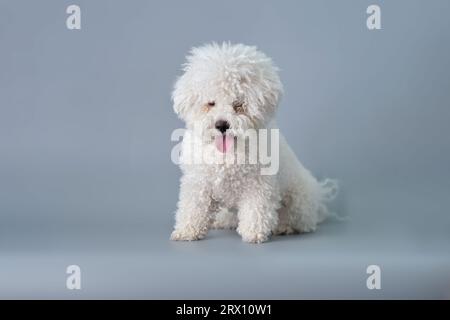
238	107
207	106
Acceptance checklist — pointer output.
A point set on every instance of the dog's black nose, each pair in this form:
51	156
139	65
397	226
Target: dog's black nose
222	125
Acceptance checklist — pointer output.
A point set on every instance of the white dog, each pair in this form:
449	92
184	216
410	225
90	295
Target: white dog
230	89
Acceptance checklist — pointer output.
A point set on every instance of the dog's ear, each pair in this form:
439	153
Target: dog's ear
182	97
266	93
273	90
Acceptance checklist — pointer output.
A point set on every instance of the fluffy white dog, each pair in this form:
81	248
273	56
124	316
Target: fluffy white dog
230	89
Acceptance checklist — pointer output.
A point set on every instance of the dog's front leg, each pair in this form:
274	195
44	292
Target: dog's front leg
193	214
257	215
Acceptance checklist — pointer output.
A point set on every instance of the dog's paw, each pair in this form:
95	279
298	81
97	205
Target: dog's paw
284	229
225	219
186	235
254	237
306	224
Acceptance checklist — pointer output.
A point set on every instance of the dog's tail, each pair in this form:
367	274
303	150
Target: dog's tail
328	190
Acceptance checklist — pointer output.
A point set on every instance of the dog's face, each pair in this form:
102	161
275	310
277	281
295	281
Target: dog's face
227	89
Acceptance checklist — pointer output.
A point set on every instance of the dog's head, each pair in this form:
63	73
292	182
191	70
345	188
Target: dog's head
227	89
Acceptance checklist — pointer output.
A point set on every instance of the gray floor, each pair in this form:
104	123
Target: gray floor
138	261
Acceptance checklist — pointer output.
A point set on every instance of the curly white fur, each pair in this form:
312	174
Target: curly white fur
227	195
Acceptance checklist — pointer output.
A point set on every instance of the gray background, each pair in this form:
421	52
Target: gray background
85	170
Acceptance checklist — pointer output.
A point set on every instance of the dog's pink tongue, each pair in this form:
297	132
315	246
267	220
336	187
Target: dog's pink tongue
224	143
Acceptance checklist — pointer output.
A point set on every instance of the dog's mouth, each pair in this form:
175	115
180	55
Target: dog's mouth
224	142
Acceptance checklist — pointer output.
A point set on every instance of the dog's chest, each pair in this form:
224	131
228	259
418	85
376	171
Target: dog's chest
229	183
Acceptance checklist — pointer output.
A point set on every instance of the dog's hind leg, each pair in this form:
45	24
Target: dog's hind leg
302	211
307	205
284	224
